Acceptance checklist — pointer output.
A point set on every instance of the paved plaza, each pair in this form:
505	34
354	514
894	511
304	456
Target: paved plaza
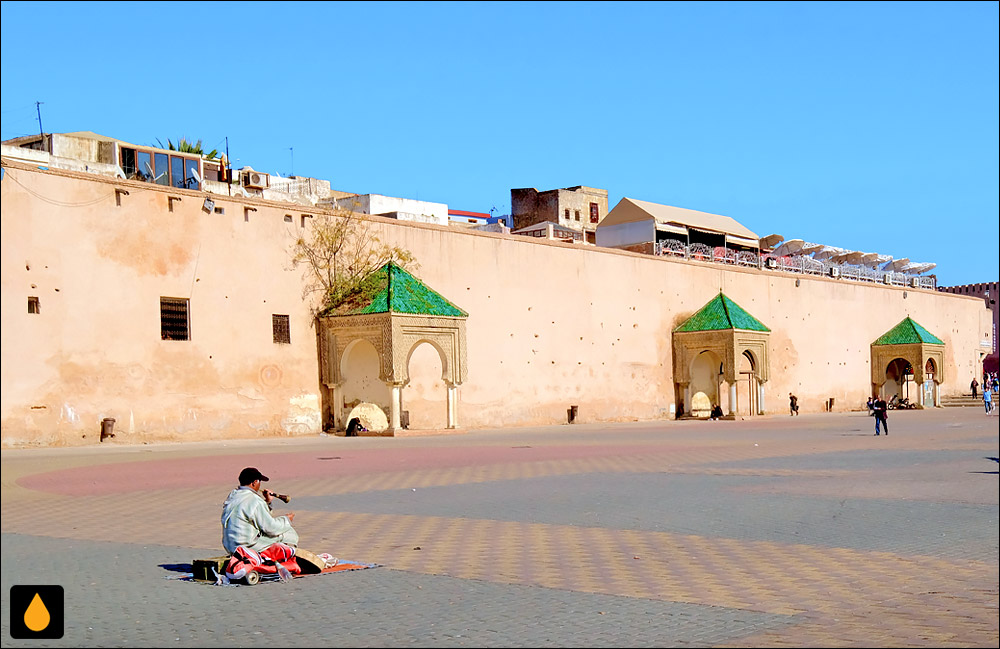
766	532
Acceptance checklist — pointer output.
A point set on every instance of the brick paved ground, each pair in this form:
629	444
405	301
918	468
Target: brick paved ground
774	531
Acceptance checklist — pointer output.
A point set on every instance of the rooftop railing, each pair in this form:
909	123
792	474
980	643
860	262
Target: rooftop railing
794	264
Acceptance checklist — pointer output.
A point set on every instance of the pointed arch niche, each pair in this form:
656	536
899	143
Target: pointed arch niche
735	346
908	361
396	314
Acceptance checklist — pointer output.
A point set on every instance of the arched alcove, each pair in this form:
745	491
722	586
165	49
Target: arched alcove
425	397
747	385
704	383
898	379
360	369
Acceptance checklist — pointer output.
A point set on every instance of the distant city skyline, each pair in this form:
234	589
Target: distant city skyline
866	126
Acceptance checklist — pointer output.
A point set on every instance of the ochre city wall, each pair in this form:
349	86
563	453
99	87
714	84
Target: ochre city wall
550	325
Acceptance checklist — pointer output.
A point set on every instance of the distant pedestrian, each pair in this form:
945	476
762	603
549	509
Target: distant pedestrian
988	401
793	404
975	385
881	415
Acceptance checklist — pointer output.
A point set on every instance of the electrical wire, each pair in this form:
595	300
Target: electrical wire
52	201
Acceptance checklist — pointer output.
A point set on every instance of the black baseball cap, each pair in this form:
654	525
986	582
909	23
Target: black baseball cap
250	474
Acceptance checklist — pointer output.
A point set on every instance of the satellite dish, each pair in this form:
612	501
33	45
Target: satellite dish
196	176
149	171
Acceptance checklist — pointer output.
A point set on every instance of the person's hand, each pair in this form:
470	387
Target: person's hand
268	495
291	516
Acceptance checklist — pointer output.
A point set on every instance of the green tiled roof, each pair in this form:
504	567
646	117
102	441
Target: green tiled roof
721	313
908	332
391	288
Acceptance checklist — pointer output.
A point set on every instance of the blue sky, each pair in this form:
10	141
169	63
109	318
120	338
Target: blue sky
868	126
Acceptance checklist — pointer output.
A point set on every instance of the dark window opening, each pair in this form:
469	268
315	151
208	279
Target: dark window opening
281	329
594	214
174	319
34	306
576	215
128	163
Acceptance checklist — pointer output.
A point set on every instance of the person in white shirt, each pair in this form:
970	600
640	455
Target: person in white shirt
247	518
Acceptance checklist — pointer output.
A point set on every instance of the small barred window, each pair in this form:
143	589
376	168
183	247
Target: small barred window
281	329
175	323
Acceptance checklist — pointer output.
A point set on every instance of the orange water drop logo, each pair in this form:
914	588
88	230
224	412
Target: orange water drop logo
37	616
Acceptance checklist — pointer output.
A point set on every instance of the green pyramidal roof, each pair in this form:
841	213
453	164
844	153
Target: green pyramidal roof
721	313
390	288
908	332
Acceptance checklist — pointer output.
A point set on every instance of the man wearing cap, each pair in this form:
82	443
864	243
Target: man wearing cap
247	519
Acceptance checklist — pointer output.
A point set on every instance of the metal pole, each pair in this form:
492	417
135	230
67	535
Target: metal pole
38	108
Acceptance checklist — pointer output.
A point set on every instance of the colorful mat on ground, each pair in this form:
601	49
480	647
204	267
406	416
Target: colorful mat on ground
343	565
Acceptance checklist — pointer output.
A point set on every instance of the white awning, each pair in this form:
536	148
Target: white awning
674	229
742	241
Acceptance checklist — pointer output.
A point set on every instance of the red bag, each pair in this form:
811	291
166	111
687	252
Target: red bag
245	560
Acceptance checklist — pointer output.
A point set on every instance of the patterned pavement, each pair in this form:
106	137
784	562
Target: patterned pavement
772	531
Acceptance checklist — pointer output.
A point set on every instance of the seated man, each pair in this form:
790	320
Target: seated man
247	519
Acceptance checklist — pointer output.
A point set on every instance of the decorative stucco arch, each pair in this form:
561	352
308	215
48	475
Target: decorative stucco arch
917	346
724	328
403	315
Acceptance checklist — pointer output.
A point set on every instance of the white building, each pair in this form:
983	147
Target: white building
402	209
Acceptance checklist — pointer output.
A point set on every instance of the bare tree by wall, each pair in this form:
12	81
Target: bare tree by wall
339	251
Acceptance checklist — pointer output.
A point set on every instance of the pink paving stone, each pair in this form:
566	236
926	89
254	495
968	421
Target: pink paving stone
149	473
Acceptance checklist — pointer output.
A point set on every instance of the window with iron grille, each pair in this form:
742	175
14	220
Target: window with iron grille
34	306
595	215
282	330
174	319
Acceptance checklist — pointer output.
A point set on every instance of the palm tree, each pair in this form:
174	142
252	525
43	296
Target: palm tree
184	146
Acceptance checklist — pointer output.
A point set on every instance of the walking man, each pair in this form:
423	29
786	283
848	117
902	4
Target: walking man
881	415
793	404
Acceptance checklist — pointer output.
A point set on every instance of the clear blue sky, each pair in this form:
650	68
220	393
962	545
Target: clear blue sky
869	126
